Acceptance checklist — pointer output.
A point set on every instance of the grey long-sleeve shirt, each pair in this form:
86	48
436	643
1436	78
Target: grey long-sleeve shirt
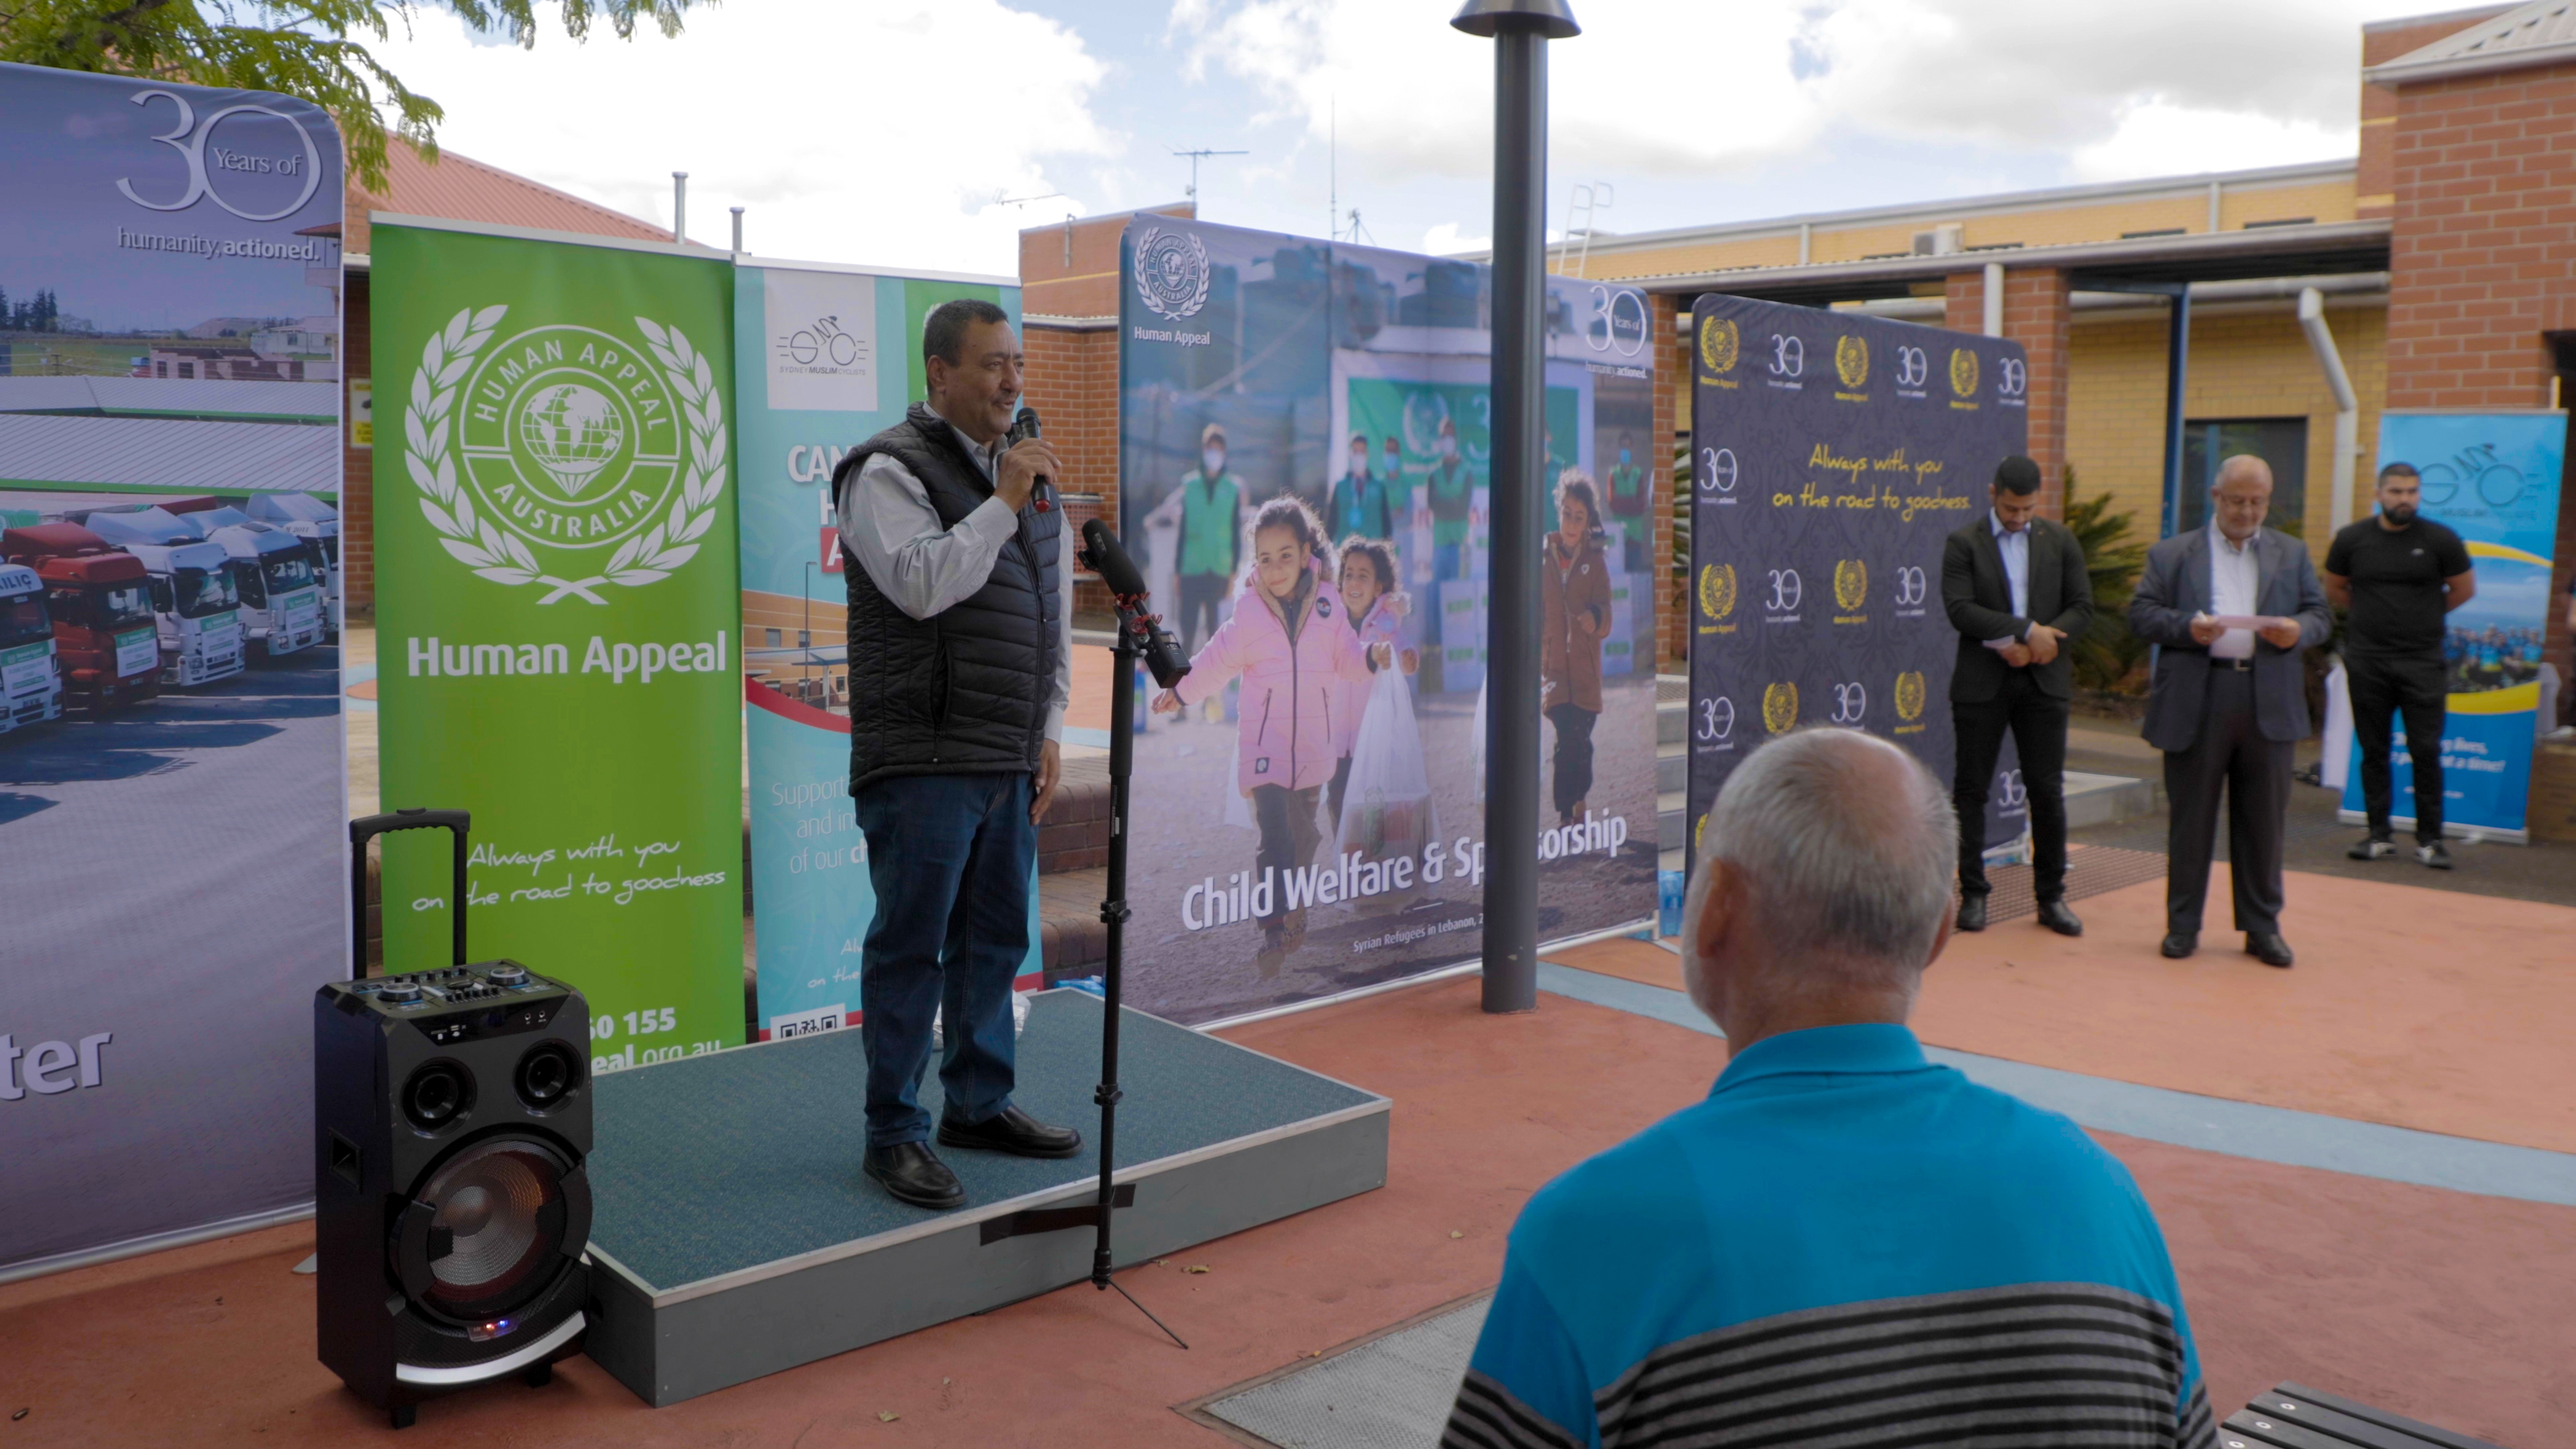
925	567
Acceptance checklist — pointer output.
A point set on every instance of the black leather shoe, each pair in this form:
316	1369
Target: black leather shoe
1013	1131
1972	913
912	1173
2056	917
2179	944
2268	948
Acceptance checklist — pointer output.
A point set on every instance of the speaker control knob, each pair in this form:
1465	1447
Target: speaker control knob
399	993
507	975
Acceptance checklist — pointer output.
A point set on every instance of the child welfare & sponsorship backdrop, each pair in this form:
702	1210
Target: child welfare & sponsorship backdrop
2492	477
829	357
171	860
1832	455
1296	837
558	611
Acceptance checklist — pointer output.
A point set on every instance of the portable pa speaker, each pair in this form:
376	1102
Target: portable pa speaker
451	1120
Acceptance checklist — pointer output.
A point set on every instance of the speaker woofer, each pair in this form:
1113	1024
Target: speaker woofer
546	1075
487	1232
436	1094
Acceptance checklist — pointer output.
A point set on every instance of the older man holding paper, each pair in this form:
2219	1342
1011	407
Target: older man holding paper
2229	605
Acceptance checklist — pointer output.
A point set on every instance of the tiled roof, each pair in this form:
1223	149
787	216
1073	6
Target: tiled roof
461	188
2540	33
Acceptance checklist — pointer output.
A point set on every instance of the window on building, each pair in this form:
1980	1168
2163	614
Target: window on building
2281	442
2156	231
2281	221
160	369
804	638
187	369
773	638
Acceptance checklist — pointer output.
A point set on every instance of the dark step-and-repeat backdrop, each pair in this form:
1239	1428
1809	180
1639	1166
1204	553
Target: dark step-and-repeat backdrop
1832	454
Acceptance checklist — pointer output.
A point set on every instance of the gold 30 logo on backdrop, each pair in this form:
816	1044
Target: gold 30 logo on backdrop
1719	344
562	440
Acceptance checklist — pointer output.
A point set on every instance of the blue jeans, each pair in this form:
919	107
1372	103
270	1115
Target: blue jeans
950	857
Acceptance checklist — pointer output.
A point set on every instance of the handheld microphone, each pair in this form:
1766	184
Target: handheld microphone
1023	428
1100	551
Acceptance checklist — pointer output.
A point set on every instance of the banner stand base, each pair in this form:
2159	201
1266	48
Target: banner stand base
2451	829
734	1234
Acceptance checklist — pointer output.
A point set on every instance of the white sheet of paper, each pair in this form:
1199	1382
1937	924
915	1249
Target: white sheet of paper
2244	621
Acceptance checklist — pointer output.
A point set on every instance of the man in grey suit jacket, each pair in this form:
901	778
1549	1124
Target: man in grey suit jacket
2228	705
2016	588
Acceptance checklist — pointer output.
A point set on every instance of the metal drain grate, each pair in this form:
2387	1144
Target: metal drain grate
2095	870
1387	1392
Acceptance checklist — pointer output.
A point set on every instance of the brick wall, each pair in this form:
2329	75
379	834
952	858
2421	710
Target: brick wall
2483	258
2038	316
2374	177
1672	415
2244	364
358	465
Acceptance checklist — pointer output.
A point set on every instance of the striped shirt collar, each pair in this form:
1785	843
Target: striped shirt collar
1880	1048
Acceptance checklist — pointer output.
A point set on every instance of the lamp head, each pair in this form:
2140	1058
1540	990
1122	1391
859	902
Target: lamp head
1552	19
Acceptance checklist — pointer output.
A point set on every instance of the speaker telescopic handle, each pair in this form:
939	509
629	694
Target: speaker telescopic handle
458	823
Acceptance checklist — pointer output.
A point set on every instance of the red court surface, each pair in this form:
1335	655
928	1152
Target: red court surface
2417	1008
2449	1307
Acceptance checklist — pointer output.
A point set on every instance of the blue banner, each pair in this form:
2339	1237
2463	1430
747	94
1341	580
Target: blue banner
828	357
2493	478
1832	456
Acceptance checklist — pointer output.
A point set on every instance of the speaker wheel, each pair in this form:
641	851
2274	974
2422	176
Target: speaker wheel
403	1415
537	1375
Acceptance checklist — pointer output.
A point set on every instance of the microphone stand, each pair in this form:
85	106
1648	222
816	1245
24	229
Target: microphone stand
1133	627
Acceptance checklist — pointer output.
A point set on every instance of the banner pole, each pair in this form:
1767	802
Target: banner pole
1520	30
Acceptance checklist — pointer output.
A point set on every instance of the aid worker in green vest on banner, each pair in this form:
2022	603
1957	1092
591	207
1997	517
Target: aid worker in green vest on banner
1211	521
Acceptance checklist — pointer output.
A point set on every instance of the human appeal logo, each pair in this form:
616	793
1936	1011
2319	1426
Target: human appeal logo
1851	361
1717	590
1720	344
1780	708
1963	372
1909	695
1171	273
536	453
1851	584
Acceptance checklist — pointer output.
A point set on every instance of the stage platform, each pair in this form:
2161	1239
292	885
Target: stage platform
734	1234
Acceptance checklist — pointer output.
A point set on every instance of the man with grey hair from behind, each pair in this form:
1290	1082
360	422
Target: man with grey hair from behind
1844	1244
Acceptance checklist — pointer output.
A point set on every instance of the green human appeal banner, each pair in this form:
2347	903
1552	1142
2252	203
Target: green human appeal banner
557	619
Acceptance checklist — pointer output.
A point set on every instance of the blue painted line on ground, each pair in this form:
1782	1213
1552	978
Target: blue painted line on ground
2184	1119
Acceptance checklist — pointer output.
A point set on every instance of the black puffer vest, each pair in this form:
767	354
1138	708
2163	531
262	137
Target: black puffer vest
963	692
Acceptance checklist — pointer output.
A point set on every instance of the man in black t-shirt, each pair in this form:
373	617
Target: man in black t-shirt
2397	575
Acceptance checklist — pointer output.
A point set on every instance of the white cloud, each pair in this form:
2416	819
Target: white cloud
860	133
1449	239
2159	138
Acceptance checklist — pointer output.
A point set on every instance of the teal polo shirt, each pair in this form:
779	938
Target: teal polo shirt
1843	1245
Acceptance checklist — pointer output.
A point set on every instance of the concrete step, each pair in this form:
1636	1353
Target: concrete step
1672	768
2107	799
1671	829
1672	722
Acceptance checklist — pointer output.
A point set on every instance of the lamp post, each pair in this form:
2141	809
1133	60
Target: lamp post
1520	30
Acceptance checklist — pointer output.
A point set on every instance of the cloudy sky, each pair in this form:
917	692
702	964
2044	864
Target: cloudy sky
908	133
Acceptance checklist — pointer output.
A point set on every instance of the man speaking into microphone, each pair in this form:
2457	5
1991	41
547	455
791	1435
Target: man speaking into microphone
960	636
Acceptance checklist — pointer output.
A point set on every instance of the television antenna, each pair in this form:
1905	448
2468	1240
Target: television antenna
1195	157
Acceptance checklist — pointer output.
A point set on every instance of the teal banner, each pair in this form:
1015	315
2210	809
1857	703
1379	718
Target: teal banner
2494	479
826	357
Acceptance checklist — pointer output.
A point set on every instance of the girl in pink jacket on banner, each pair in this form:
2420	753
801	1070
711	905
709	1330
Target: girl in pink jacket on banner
1291	642
1377	610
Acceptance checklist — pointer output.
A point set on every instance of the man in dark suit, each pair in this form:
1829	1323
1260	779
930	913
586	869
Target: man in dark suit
2016	588
2229	703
